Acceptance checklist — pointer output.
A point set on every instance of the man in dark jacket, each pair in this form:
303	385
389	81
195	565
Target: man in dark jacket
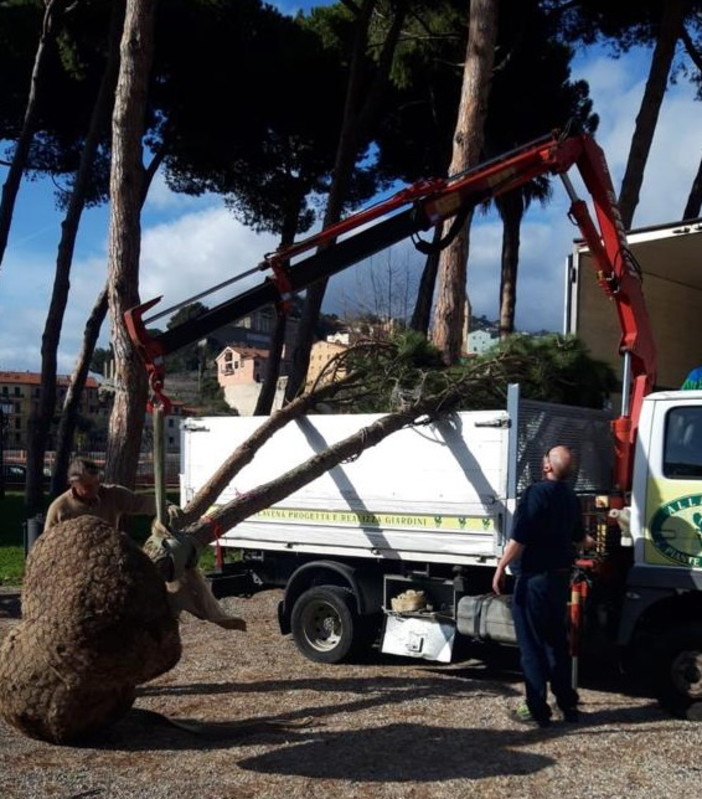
546	531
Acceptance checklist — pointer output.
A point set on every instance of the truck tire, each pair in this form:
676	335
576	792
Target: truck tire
679	673
324	625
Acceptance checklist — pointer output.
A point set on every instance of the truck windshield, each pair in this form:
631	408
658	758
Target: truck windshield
683	443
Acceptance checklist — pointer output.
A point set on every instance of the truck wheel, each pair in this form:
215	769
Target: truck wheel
323	624
680	671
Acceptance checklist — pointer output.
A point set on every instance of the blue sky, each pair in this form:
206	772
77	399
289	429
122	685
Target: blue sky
191	244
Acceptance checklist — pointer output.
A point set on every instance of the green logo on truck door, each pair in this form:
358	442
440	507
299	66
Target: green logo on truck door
676	530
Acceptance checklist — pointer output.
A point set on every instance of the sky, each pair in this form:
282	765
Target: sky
191	244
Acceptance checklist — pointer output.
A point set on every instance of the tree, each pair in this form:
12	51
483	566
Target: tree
126	187
452	309
415	133
364	93
52	17
529	57
550	368
658	23
69	420
40	420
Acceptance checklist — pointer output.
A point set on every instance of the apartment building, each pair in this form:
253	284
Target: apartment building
19	397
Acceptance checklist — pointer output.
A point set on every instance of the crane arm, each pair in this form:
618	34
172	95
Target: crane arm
429	203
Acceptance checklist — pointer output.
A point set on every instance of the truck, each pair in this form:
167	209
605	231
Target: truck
398	547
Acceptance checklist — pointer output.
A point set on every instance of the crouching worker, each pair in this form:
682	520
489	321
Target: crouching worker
88	496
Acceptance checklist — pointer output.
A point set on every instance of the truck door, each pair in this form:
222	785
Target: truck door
672	519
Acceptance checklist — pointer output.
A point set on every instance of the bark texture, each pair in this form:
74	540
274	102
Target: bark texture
671	28
126	193
451	303
95	624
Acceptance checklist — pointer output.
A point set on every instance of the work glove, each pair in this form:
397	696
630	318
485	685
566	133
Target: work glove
181	552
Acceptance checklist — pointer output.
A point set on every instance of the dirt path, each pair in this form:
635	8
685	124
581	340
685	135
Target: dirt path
255	719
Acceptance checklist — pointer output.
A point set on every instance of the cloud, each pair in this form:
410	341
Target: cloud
198	251
178	259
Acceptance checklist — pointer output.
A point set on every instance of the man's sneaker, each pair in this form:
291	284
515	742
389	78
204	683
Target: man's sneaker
524	716
571	715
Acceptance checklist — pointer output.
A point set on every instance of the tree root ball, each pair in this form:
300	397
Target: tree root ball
95	624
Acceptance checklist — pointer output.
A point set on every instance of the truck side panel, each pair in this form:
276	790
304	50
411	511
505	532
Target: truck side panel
429	493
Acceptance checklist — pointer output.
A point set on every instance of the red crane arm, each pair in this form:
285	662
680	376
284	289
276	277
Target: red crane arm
429	203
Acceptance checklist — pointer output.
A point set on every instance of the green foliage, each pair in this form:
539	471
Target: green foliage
554	368
12	516
551	368
212	396
190	357
99	360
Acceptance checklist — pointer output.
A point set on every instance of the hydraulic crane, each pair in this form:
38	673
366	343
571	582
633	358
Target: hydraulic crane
429	203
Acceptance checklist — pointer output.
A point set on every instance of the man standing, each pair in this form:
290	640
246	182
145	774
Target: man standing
87	495
547	527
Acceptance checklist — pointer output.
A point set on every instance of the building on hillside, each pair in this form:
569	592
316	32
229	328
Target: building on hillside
321	353
481	341
254	331
340	337
171	427
20	393
241	372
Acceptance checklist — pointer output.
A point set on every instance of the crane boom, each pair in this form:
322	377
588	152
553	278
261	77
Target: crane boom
429	203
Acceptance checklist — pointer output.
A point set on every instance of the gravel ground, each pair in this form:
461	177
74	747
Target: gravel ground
244	715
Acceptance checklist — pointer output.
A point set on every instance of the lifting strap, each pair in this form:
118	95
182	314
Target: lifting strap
159	455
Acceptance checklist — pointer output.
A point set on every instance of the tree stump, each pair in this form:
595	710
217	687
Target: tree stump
95	624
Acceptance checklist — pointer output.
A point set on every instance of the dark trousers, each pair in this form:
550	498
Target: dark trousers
539	609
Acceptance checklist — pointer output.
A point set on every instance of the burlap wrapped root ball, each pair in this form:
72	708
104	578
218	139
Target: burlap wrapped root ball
95	624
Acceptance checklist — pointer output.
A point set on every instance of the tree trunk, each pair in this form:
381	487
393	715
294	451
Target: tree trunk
359	112
124	239
52	15
266	397
511	210
450	320
694	200
421	316
71	405
41	420
264	403
671	28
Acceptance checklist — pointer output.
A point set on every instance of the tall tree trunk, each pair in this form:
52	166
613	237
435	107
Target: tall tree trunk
52	17
360	110
124	240
511	210
40	421
264	403
71	405
694	200
450	321
266	397
671	27
421	316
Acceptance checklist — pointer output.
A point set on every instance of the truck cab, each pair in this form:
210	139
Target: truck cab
661	614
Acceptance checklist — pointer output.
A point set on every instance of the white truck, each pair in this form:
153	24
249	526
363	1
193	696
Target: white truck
405	539
424	516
